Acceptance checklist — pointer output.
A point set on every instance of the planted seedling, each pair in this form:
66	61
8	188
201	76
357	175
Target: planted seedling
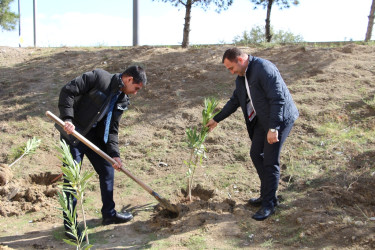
195	141
75	184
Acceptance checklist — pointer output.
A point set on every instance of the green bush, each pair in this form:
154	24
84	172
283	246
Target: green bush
257	35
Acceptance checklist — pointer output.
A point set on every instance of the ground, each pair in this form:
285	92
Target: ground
327	179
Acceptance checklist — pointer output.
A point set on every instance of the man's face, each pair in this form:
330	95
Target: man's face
238	67
130	88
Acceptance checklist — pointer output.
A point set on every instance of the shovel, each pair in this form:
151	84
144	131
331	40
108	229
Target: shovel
163	202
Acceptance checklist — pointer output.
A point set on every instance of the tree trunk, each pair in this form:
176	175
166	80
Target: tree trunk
185	40
268	21
370	22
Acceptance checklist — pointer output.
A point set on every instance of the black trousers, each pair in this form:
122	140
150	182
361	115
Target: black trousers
266	159
102	167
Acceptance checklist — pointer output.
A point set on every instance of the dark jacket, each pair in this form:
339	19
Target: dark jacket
83	100
272	101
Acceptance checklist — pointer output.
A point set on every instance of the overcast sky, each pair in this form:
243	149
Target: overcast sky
109	23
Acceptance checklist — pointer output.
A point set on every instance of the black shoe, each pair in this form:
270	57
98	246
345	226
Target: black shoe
263	213
118	218
69	235
255	202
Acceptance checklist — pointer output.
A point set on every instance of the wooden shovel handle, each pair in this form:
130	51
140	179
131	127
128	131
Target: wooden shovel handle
100	152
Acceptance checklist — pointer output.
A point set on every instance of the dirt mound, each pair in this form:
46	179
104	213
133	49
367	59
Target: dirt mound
5	174
32	194
205	208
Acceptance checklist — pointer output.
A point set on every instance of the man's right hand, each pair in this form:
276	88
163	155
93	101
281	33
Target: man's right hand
69	127
211	125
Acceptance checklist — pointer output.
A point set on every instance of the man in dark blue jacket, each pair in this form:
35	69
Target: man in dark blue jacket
269	113
92	104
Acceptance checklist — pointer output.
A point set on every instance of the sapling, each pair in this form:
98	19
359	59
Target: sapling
76	185
196	139
31	146
5	170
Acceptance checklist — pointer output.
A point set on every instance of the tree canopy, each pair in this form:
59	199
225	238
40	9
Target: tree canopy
8	19
204	4
281	3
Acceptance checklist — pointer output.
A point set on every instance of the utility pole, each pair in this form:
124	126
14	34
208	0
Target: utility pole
19	24
34	13
135	22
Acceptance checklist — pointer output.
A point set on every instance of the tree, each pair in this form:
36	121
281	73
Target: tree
370	22
204	4
8	19
268	4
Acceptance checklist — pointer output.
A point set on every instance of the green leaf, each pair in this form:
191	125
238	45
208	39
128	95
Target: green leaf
70	242
88	246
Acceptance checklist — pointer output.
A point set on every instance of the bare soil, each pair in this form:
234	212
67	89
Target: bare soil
328	175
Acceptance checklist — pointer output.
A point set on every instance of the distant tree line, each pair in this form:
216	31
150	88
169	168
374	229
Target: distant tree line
9	19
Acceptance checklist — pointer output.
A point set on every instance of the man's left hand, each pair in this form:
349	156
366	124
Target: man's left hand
118	163
272	137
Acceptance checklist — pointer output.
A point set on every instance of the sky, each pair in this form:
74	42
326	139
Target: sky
110	22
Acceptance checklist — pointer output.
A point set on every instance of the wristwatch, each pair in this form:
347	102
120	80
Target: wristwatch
273	130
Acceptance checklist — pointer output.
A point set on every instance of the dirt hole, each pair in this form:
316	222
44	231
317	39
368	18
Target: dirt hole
45	178
200	192
165	213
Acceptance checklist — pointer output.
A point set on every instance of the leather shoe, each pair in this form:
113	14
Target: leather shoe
263	213
255	202
117	218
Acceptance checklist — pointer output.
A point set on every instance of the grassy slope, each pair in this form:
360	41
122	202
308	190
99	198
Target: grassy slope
328	171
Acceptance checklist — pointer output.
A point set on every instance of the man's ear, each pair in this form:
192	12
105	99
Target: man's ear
129	79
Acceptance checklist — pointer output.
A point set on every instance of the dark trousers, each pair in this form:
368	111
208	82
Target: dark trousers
266	159
102	167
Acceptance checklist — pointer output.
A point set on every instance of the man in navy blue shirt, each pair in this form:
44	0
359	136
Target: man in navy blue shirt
269	113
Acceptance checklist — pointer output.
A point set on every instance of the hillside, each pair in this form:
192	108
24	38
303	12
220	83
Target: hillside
328	173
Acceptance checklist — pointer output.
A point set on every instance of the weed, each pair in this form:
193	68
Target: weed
195	242
162	244
268	243
370	102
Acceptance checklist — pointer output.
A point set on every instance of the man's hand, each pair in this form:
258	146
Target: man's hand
69	128
211	125
118	163
272	137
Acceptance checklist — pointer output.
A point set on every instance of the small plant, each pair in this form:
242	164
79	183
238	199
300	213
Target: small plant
29	149
76	186
370	102
195	141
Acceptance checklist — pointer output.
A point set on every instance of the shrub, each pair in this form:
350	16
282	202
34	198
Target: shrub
257	35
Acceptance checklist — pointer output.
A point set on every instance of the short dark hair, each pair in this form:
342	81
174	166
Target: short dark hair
138	74
232	54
